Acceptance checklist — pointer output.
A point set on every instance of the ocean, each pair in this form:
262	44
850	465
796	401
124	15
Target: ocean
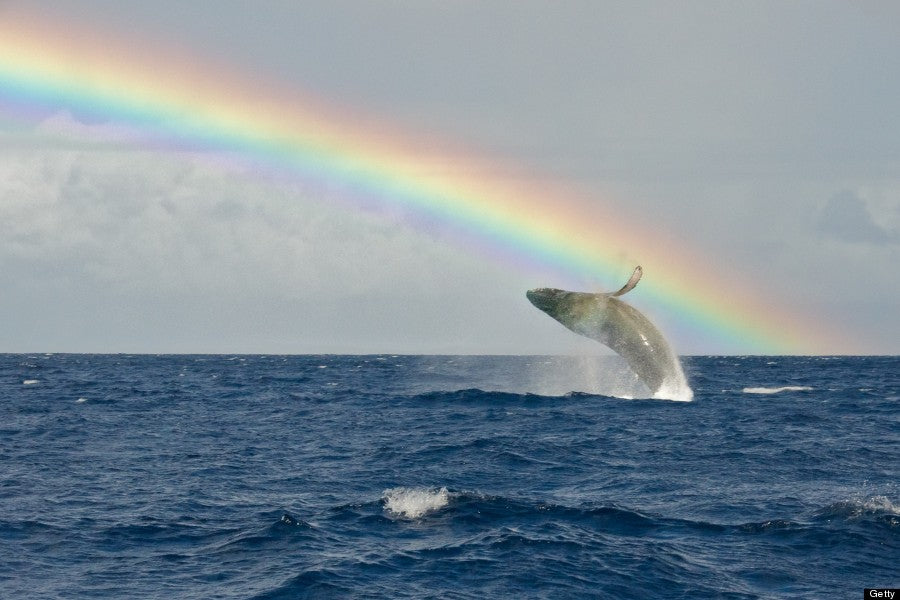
277	477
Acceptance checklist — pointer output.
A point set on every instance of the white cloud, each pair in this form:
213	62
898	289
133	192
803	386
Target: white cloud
63	127
729	126
109	250
846	217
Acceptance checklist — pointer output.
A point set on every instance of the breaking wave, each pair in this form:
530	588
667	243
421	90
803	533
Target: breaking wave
874	507
776	390
414	503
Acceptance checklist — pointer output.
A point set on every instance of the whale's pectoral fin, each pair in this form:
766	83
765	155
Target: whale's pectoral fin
635	277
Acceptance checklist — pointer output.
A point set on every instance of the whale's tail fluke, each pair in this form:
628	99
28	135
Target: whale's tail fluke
632	282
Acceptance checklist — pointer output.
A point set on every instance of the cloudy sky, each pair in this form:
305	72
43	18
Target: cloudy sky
763	135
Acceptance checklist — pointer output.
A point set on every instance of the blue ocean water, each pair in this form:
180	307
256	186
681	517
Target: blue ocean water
273	477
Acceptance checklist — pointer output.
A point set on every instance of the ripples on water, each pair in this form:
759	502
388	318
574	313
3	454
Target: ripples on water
466	477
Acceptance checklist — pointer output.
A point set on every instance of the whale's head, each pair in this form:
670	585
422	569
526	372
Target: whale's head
546	299
569	308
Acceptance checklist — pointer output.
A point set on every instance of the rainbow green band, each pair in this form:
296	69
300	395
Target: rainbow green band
541	227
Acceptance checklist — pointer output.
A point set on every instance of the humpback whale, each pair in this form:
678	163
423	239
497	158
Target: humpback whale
612	322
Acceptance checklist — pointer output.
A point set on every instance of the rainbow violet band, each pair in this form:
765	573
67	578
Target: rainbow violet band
540	227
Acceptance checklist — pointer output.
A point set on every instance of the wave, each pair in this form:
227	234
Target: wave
777	390
284	532
483	514
877	508
476	395
499	398
414	503
376	543
473	508
316	582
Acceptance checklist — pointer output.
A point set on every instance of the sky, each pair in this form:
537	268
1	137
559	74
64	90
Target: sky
759	142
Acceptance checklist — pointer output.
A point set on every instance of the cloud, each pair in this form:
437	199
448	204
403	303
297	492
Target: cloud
63	126
846	217
142	221
107	250
730	128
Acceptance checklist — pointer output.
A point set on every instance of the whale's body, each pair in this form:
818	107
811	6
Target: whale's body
612	322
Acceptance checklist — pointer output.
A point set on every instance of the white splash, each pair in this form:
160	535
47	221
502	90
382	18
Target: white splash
31	381
413	503
786	388
880	504
677	391
81	401
604	375
675	387
861	507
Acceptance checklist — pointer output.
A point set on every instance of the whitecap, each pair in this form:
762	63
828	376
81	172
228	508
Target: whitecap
81	401
413	503
880	504
31	381
861	507
775	390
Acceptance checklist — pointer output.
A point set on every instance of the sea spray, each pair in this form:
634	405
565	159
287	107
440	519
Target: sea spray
601	375
414	503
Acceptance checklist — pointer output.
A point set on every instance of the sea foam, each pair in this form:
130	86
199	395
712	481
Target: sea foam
786	388
879	504
862	507
413	503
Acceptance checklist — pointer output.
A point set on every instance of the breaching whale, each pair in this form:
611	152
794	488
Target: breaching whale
612	322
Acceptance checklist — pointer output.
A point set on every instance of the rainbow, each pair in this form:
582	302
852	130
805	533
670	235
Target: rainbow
543	227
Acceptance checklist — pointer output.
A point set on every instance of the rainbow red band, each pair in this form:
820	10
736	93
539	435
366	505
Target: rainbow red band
543	228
